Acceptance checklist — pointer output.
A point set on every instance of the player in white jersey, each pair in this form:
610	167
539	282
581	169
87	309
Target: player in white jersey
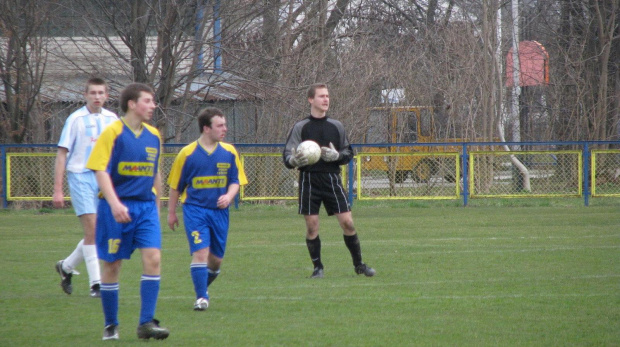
78	137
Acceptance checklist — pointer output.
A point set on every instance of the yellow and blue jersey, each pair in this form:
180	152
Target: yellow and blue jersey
203	177
130	158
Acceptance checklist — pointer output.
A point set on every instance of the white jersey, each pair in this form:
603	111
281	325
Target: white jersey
81	131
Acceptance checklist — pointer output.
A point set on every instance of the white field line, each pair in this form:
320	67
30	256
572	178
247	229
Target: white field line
426	242
313	283
521	250
478	250
425	297
499	251
224	297
417	241
378	284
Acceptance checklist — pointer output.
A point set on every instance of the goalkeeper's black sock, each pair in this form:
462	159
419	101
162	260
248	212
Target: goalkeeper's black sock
353	244
314	248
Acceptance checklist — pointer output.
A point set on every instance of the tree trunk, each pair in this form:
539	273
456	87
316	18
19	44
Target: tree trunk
137	40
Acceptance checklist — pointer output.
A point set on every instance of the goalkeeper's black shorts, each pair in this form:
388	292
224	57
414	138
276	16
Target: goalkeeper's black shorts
322	187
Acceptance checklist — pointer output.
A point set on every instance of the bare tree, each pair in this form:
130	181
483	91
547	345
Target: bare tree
282	47
582	38
22	66
157	42
607	15
441	52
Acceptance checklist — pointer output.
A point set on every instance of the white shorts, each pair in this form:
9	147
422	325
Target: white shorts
84	191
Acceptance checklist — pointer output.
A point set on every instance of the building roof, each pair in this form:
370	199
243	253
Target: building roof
72	60
210	87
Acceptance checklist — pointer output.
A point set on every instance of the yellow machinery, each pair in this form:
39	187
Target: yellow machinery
407	124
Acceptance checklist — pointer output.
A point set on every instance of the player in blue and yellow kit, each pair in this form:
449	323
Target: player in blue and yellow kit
126	162
206	175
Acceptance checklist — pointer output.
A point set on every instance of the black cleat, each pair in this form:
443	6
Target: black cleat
110	332
365	269
65	278
317	273
95	291
152	329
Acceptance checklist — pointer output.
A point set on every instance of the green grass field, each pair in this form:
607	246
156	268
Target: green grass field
542	275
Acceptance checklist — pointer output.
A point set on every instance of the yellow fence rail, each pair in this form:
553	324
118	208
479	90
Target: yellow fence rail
605	169
268	178
544	174
403	175
426	176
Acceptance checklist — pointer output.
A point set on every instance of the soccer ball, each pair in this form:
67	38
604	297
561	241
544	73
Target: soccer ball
311	150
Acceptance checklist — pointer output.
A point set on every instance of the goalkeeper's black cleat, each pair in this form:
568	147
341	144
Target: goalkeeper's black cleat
317	273
365	269
152	329
65	278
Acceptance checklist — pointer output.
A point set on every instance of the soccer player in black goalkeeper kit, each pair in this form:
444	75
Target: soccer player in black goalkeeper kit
320	182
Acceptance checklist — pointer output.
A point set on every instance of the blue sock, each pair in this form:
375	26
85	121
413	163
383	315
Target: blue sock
109	302
199	277
149	290
212	276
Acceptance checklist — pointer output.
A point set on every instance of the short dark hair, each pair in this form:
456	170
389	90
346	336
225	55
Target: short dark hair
313	88
96	81
132	92
205	116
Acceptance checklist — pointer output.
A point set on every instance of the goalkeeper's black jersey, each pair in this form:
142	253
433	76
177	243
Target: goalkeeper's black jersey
322	131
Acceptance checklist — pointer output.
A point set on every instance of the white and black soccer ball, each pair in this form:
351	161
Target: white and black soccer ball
311	150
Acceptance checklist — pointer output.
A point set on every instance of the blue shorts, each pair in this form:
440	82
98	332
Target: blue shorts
118	240
83	188
206	227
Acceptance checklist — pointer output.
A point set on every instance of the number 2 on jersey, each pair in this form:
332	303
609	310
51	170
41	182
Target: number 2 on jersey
196	236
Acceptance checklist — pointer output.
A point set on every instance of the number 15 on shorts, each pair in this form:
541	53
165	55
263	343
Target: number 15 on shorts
113	245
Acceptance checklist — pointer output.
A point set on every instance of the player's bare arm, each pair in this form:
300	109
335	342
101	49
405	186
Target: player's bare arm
225	200
119	211
158	187
58	198
173	200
